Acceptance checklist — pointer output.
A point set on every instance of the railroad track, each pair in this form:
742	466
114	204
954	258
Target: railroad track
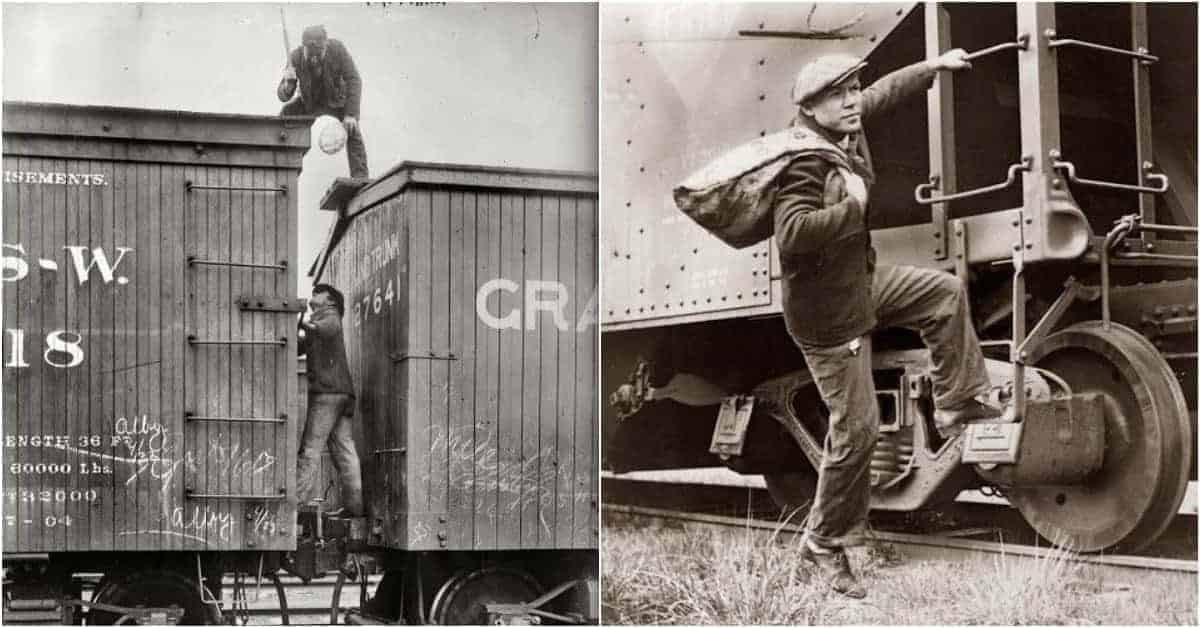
918	546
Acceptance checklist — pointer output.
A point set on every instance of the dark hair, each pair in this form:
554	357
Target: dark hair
339	301
315	31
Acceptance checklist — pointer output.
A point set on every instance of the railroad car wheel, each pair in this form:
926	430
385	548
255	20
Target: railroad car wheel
793	492
1132	499
462	599
154	588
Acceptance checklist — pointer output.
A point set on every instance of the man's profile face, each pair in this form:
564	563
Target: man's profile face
319	301
314	45
838	108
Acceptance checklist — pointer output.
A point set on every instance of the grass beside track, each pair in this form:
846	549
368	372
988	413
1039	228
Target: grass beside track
658	572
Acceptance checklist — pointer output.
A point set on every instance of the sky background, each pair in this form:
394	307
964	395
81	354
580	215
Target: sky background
500	85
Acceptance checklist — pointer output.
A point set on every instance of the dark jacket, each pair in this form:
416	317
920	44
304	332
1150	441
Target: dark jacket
328	370
331	83
824	245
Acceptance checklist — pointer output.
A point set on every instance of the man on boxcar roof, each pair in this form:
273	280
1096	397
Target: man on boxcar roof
834	296
329	85
330	401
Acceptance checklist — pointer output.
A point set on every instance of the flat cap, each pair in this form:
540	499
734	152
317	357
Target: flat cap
823	72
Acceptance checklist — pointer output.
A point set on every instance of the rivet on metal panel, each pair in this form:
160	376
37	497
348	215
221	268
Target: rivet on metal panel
1029	245
641	230
937	251
641	169
681	304
628	311
723	299
666	306
695	251
629	142
641	291
1016	223
681	267
1017	247
283	136
651	308
628	256
872	38
762	133
762	25
762	97
628	80
762	61
641	310
610	313
668	287
937	234
899	11
641	43
441	520
739	295
642	106
629	203
754	273
616	254
626	19
1029	221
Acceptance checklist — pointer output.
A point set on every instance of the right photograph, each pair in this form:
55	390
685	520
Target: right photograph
946	376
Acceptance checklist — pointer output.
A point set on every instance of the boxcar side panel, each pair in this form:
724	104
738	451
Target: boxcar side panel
96	356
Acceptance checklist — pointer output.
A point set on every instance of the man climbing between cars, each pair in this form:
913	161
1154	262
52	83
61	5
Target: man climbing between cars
330	402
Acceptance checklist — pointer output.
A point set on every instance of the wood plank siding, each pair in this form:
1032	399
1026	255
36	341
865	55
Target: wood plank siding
471	331
117	418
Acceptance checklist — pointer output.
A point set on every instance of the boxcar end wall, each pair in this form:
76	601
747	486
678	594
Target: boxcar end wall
149	367
471	330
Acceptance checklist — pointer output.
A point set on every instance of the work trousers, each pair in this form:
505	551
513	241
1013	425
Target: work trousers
356	150
328	421
931	302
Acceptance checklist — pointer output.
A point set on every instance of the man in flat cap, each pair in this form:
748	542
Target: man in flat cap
834	296
329	85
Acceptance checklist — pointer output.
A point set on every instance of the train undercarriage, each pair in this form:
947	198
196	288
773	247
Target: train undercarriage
1098	461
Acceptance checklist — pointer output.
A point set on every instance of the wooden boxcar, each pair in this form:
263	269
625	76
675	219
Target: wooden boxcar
471	331
149	337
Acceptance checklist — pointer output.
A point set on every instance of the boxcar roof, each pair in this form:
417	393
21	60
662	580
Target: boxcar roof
125	123
441	175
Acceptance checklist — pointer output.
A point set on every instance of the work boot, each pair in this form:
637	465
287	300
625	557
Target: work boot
950	422
834	568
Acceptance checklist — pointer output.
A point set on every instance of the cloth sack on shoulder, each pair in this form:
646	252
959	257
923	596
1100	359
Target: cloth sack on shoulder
733	196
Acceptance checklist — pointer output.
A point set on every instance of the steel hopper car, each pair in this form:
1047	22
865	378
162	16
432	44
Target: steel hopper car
1057	177
149	357
471	331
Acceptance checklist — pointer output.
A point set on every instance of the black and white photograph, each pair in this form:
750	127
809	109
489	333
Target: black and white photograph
300	309
946	378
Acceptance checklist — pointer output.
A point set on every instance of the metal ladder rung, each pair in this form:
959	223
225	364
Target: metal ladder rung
192	340
188	416
281	495
192	260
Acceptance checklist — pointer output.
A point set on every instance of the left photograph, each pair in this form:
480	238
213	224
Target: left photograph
299	309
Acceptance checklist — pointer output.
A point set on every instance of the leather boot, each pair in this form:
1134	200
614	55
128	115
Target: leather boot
950	422
834	569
